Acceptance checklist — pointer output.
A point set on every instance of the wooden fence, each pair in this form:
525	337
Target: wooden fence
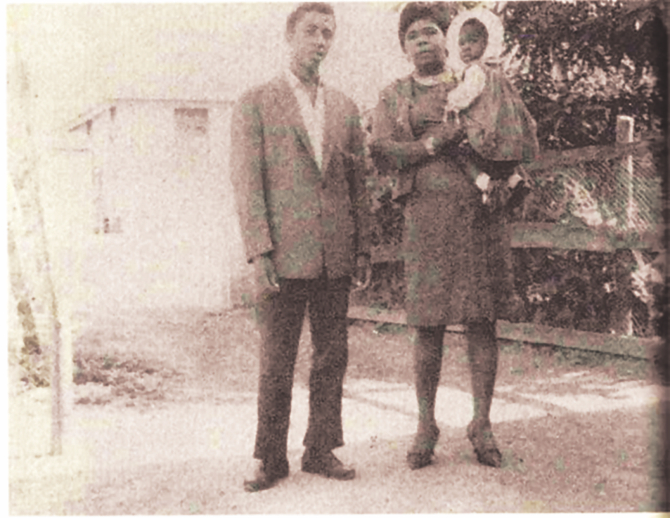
555	236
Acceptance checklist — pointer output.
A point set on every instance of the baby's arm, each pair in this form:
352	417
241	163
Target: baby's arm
472	86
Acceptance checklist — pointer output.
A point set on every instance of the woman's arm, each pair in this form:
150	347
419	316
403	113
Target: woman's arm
389	147
393	150
391	155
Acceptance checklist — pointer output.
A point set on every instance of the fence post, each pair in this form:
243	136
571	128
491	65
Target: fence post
622	313
621	317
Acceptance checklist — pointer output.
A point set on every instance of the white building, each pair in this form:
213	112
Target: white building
138	199
146	189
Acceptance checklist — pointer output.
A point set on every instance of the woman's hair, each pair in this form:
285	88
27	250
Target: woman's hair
304	8
478	28
413	11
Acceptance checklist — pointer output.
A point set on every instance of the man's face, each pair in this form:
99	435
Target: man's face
311	38
472	43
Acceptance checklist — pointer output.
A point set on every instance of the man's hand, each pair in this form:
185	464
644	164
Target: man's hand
266	273
363	273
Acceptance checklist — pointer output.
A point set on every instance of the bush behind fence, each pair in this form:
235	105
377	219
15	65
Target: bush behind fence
614	190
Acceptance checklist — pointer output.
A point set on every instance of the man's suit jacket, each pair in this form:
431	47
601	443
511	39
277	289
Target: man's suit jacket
306	216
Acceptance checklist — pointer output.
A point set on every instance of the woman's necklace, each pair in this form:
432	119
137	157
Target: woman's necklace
446	76
426	80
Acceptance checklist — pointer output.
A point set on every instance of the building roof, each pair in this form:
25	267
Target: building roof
97	110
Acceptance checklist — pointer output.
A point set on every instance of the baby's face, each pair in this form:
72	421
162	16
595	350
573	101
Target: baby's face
472	44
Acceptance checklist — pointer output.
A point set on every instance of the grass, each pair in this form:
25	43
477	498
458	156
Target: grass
149	356
156	356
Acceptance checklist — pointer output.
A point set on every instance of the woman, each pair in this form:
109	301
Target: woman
450	279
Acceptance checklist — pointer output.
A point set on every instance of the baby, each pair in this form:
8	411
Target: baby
472	42
500	130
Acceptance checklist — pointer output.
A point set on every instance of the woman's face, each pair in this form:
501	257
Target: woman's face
425	44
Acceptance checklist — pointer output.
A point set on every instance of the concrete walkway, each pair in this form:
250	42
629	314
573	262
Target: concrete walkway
203	445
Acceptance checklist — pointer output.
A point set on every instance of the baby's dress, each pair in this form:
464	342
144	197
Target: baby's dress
468	89
498	125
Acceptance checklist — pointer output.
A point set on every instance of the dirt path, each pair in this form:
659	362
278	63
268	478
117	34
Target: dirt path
177	439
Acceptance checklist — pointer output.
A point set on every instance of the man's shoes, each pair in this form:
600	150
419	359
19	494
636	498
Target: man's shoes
266	476
327	465
482	440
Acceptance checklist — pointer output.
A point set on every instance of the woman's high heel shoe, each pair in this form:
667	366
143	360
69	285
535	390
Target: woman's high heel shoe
423	450
482	440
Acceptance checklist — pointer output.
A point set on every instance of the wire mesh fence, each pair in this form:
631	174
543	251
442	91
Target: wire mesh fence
610	280
614	188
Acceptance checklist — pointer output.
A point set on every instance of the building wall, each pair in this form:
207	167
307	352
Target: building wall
160	229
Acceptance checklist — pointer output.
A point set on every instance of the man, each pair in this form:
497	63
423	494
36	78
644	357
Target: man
297	160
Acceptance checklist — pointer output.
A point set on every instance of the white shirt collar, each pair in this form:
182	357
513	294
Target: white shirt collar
295	83
313	116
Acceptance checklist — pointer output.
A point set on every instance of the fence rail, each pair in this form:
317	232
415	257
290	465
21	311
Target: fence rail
547	235
603	199
633	346
552	158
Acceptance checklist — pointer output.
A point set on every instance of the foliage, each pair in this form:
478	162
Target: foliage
126	375
388	222
571	289
580	64
35	368
386	290
576	289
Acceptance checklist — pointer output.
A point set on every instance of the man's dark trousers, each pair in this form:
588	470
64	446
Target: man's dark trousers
280	316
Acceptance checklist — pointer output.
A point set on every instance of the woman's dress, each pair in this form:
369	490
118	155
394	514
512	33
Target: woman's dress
451	247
